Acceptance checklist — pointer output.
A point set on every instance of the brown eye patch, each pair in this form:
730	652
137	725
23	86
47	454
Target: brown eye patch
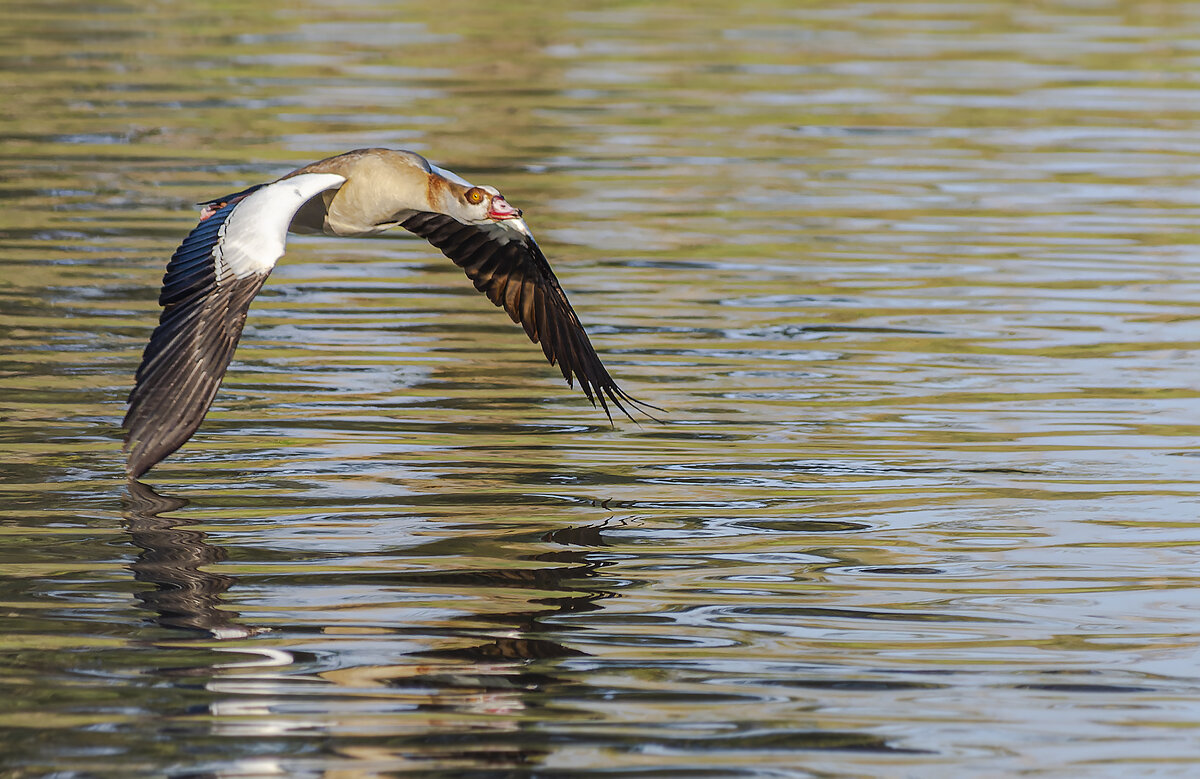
475	195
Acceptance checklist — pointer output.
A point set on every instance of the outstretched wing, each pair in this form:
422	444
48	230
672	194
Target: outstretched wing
506	264
207	289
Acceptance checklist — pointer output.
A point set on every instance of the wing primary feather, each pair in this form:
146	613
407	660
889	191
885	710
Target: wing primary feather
528	318
207	289
512	295
171	398
508	267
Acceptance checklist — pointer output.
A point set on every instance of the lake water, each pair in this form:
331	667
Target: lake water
916	284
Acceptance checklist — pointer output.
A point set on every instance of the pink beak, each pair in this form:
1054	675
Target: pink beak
501	210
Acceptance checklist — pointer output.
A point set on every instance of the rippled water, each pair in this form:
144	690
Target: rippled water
915	282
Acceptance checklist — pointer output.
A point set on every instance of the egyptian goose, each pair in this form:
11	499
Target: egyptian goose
223	262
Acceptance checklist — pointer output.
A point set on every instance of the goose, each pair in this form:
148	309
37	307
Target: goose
221	265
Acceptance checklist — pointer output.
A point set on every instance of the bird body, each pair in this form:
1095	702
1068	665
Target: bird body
380	183
222	264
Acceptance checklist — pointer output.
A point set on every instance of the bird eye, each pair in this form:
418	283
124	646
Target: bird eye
474	195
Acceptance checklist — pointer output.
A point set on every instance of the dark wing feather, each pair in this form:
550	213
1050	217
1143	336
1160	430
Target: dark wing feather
206	292
509	267
188	353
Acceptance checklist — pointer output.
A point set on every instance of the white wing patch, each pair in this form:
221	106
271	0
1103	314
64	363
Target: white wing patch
449	176
253	237
517	224
503	232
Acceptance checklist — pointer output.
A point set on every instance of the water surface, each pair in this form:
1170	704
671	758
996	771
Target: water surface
915	282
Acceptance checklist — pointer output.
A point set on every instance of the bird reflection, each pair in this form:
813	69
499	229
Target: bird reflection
495	669
565	575
185	595
498	675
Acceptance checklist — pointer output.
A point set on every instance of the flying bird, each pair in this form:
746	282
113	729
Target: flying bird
222	264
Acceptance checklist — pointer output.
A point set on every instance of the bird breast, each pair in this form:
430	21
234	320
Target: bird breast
378	189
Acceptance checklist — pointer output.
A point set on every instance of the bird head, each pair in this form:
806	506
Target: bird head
489	204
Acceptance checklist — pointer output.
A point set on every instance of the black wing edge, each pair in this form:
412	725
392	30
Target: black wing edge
225	200
185	360
517	277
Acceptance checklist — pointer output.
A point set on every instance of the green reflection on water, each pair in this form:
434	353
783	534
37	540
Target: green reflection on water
914	282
